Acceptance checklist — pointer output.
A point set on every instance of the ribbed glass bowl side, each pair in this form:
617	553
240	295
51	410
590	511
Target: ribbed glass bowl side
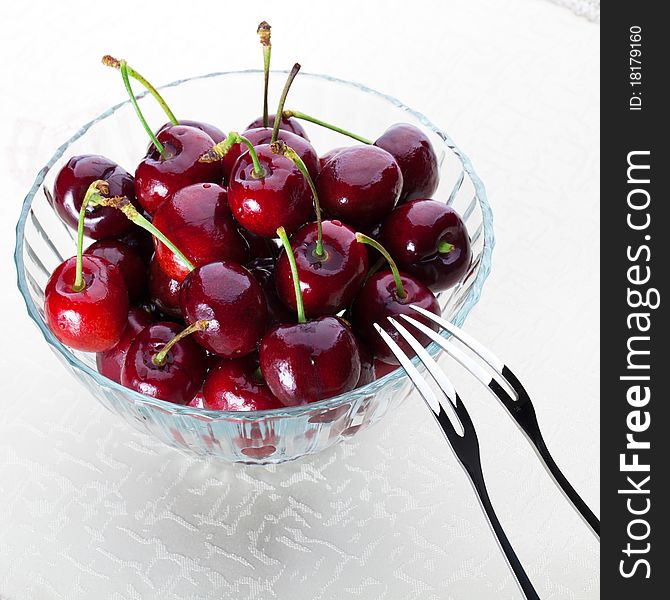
43	241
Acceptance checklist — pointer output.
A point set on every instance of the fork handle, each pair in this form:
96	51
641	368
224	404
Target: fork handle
514	562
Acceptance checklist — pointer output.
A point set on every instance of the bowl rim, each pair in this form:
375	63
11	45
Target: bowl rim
217	415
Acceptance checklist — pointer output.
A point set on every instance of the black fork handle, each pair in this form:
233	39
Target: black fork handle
466	448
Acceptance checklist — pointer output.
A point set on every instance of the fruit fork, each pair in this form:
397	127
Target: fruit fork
457	427
518	405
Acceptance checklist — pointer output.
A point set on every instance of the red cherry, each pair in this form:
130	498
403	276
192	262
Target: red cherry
228	296
72	181
310	361
367	365
129	262
163	290
428	240
197	220
416	158
237	385
360	185
264	272
110	362
93	319
211	130
290	125
379	299
328	283
281	197
324	159
157	177
181	375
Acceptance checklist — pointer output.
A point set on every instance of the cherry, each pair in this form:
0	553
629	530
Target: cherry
330	281
325	158
259	248
162	363
163	290
263	135
141	241
73	180
198	401
278	195
416	158
211	130
264	272
197	220
229	297
389	294
428	240
238	385
381	368
367	365
360	185
110	362
287	124
311	360
159	175
129	262
91	318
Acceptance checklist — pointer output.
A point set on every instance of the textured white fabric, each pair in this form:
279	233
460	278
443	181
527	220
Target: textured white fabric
91	509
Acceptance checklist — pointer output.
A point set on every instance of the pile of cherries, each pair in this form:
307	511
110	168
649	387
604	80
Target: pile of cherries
245	271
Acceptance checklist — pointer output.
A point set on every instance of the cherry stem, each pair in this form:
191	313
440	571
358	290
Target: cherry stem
264	33
281	232
280	147
365	239
287	114
282	101
124	75
218	151
110	61
97	187
445	247
160	358
125	206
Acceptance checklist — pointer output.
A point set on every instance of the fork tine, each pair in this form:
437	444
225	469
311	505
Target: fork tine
484	353
452	350
437	373
421	384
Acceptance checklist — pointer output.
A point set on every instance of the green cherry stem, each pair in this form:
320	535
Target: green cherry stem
97	187
280	147
287	114
218	151
445	247
110	61
282	101
365	239
264	33
160	358
281	232
133	101
125	206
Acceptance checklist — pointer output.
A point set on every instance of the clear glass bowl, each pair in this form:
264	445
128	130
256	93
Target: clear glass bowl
43	241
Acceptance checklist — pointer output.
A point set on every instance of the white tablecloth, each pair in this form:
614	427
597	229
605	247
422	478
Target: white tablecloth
91	509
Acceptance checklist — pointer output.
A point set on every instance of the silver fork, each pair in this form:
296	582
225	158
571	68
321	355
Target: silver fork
520	407
464	442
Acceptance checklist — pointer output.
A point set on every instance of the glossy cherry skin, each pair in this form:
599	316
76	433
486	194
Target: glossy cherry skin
360	185
93	319
378	300
129	262
236	385
264	272
412	234
179	379
163	290
231	299
381	368
416	158
291	125
263	135
281	197
367	365
72	182
211	130
197	220
328	283
324	159
157	178
310	361
110	362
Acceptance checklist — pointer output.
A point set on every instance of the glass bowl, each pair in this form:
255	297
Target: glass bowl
43	241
